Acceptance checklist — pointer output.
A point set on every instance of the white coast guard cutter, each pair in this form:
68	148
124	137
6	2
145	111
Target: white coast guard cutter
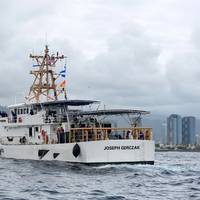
63	130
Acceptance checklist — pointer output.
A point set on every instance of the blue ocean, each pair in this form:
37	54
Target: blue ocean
175	175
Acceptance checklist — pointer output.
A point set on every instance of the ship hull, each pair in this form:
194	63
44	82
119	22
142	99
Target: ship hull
92	152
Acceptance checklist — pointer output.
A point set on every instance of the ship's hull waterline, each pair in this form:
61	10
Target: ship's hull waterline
92	152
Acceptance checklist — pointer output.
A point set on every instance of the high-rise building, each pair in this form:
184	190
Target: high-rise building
164	132
189	130
174	129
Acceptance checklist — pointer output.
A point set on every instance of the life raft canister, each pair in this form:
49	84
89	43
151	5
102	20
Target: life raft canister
76	150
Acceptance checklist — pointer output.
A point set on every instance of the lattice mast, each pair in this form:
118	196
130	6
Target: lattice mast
44	84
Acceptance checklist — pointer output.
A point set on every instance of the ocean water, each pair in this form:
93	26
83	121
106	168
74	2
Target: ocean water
175	175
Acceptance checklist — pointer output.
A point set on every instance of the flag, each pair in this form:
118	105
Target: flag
62	84
36	65
63	72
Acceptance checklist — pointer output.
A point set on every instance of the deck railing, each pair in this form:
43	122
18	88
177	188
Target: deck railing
94	134
83	135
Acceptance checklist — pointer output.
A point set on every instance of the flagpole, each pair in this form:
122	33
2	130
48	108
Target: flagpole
65	90
65	93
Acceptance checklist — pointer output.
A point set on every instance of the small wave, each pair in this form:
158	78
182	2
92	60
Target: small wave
52	192
97	193
114	197
194	188
167	172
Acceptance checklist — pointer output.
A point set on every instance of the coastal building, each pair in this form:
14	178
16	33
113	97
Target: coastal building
174	129
164	132
189	130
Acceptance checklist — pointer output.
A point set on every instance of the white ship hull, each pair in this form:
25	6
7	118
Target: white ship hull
92	152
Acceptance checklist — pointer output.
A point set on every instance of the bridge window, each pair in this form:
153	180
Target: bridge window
30	132
36	129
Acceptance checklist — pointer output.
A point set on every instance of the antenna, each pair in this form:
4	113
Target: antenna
46	38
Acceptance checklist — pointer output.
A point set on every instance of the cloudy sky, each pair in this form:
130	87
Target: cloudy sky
127	53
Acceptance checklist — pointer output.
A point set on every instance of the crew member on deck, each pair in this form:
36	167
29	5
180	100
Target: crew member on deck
62	135
129	134
58	134
141	135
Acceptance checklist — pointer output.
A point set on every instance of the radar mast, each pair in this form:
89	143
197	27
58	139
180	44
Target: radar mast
44	87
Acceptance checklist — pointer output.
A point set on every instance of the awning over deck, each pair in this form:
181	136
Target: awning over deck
56	103
115	112
68	103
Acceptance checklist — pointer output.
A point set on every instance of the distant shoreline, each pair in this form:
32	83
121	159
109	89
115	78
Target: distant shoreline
177	150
